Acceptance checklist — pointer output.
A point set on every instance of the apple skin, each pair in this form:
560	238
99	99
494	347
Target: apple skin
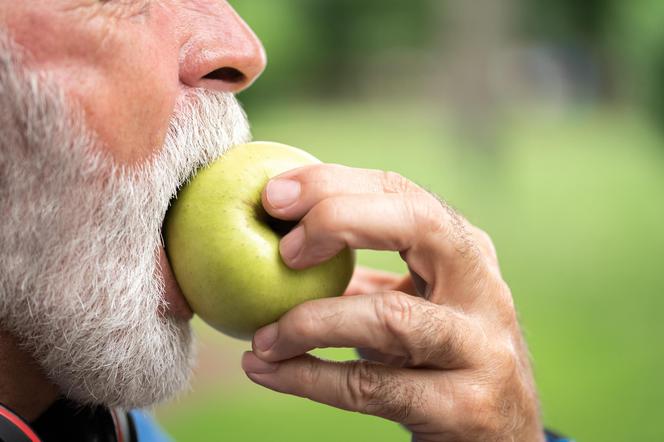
225	254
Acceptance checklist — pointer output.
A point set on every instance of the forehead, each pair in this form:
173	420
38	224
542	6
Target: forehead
21	10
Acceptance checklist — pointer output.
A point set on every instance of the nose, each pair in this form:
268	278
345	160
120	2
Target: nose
219	51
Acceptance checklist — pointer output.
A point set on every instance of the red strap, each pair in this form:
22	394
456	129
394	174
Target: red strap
19	423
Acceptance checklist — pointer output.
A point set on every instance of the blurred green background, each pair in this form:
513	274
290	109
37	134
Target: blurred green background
542	122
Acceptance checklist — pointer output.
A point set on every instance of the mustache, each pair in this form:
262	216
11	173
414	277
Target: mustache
204	125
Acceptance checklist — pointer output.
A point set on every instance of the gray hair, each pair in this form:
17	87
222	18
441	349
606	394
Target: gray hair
80	284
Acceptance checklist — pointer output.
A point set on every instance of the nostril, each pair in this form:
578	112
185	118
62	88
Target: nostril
227	74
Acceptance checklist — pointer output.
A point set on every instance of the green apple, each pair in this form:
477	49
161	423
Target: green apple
223	247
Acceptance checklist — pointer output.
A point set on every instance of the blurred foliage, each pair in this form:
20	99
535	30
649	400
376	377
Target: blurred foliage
566	20
325	47
320	47
628	36
637	37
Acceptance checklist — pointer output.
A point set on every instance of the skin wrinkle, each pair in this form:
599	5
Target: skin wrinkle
419	339
135	8
397	407
385	395
121	9
92	11
429	329
477	395
399	322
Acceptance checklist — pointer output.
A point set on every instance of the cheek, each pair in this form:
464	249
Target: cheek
130	111
125	78
128	97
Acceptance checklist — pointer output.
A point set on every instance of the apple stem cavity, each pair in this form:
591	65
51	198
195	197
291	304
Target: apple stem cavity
279	226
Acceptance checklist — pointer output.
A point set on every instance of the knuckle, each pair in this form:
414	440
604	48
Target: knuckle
308	371
303	319
425	213
393	182
395	309
376	392
484	238
361	383
442	339
504	302
441	219
505	360
426	333
485	242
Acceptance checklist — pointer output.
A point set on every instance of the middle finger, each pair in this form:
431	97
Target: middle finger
423	333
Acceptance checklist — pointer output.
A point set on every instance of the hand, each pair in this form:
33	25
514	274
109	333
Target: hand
451	364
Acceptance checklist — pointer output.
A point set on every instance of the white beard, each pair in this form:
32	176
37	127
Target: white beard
80	284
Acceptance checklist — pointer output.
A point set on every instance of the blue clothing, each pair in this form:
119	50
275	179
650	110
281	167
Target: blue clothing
550	437
147	429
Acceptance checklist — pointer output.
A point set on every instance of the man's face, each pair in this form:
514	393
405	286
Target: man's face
106	108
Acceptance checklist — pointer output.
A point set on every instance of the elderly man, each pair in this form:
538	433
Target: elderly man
106	107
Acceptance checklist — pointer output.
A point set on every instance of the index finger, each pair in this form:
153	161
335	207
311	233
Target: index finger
292	194
343	207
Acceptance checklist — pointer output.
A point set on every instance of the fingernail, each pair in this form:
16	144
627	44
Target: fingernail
292	244
266	337
282	193
252	364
